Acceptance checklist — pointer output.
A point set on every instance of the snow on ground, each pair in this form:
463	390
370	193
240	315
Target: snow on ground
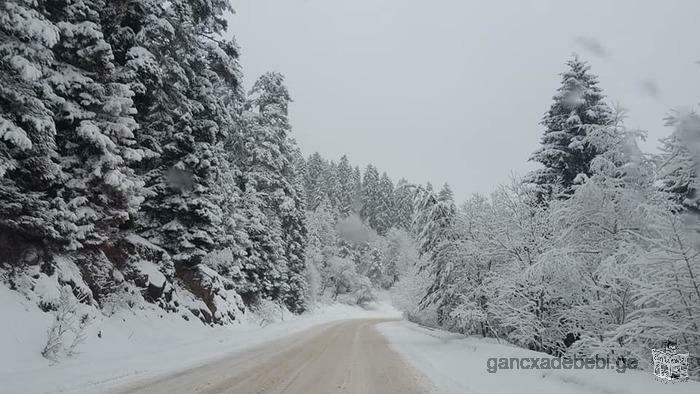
133	345
458	364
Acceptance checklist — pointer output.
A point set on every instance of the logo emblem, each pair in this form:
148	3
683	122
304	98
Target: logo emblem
669	365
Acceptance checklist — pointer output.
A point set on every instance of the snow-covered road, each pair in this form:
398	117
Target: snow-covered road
339	357
379	356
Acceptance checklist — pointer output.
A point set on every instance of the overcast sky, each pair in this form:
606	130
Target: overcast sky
454	90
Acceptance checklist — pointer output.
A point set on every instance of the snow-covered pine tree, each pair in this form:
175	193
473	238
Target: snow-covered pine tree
385	207
356	190
264	264
95	127
578	106
313	180
345	186
269	170
330	184
28	171
433	214
403	204
234	247
375	267
175	64
370	196
437	234
421	202
296	234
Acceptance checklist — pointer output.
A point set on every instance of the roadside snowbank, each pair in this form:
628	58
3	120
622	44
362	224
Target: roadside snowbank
457	364
132	345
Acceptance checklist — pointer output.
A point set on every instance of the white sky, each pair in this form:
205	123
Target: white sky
454	90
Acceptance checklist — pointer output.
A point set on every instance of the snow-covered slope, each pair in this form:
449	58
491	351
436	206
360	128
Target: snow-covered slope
458	364
130	345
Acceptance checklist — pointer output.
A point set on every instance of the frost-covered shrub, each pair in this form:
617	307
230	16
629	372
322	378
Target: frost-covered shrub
268	312
346	285
125	298
68	330
407	293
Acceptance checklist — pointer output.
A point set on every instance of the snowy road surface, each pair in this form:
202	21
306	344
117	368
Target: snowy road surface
339	357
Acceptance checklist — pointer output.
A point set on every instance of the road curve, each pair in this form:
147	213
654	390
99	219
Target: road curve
342	357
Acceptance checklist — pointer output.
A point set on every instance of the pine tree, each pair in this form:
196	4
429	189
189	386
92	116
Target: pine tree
234	244
269	170
296	233
437	237
176	67
28	172
345	186
356	190
403	204
313	181
370	196
392	260
375	268
265	267
331	187
385	208
422	201
95	127
578	107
